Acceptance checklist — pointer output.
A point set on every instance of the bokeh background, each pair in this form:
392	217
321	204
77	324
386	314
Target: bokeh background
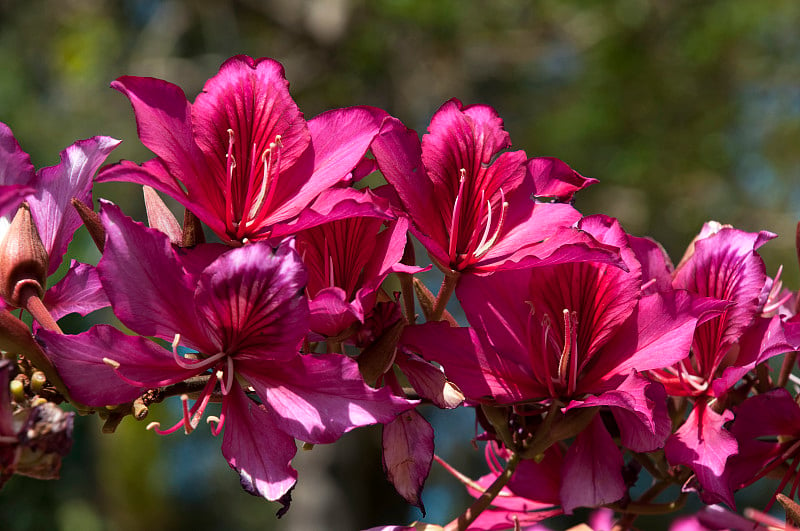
685	110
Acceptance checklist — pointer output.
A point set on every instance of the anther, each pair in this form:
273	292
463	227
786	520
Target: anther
111	363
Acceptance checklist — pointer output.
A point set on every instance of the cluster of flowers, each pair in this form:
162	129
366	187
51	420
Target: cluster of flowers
590	359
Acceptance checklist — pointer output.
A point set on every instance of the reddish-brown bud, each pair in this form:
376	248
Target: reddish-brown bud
23	259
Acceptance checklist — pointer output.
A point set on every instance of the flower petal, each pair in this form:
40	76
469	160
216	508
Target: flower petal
257	447
79	291
91	381
408	454
149	290
51	207
251	298
321	397
704	445
592	473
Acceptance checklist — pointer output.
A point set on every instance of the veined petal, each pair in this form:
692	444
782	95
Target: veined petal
340	138
79	360
553	178
11	197
704	445
640	408
398	153
164	122
256	445
725	266
464	138
252	299
592	473
149	290
321	397
51	209
15	165
79	291
408	454
481	372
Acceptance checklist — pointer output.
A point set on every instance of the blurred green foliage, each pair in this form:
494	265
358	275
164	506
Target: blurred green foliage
685	110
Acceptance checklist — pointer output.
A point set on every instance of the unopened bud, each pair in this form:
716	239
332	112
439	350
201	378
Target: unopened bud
23	259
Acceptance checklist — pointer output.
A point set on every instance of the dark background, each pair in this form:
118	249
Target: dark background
684	110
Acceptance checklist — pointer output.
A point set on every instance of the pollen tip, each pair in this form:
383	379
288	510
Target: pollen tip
153	426
111	363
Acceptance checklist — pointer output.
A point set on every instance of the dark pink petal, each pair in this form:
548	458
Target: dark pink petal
541	235
398	153
91	381
164	121
251	98
464	138
79	291
331	205
251	298
480	372
764	339
55	217
330	313
408	454
554	178
148	289
340	139
656	266
770	414
11	197
15	165
704	445
257	447
319	398
724	266
657	335
640	408
592	473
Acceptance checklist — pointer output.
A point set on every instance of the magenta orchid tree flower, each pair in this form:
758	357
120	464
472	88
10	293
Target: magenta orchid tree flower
54	221
472	206
722	263
571	338
241	157
347	261
243	315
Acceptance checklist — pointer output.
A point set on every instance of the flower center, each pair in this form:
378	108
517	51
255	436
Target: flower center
247	206
476	223
558	353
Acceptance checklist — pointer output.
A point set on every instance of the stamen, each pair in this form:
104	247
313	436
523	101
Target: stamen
196	365
546	342
484	247
111	363
230	167
268	181
454	222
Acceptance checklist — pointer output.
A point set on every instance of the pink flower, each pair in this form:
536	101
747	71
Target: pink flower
571	336
242	157
49	192
243	315
471	206
347	261
722	263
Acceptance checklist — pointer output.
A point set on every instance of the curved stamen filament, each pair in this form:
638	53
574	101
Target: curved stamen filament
230	166
484	245
196	365
456	219
271	162
546	345
191	417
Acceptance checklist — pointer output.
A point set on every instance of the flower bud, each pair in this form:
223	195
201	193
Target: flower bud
23	259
